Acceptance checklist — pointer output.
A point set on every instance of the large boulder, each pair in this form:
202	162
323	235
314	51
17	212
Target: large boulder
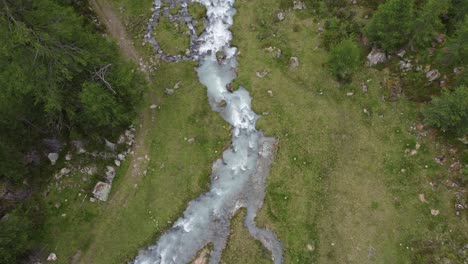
101	191
376	56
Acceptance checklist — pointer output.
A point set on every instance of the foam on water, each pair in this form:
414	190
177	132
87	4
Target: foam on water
238	178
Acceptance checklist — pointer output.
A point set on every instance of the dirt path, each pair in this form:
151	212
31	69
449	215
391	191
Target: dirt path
114	27
138	162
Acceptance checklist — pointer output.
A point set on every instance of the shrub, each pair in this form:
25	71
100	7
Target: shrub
449	112
344	59
14	237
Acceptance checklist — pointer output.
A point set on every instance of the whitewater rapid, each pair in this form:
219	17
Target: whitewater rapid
238	178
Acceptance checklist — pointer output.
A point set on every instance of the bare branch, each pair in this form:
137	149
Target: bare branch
101	75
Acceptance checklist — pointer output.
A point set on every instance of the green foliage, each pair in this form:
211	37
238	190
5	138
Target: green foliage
449	112
14	237
47	55
416	87
391	25
428	22
334	32
372	3
344	59
456	51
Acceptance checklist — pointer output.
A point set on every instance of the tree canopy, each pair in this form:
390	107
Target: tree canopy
391	25
50	60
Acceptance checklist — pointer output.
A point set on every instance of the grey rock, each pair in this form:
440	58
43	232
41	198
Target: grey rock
169	91
63	172
433	75
68	157
281	16
375	57
401	53
52	257
294	62
299	5
110	174
117	163
262	74
101	191
53	157
121	156
109	144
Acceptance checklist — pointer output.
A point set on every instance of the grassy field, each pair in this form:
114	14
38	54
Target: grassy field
343	188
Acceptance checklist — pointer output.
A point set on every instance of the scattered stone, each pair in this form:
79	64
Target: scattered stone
294	62
321	29
68	157
418	146
310	247
299	5
190	140
270	92
275	51
265	113
350	94
101	191
405	66
375	57
413	152
153	106
121	140
457	70
169	91
121	157
262	74
61	173
91	170
52	257
109	144
401	53
433	75
370	252
422	198
280	16
364	87
92	199
440	160
177	85
79	146
435	212
117	163
456	166
53	157
110	174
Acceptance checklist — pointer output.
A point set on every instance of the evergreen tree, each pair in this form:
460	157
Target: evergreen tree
449	112
391	25
428	23
344	59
